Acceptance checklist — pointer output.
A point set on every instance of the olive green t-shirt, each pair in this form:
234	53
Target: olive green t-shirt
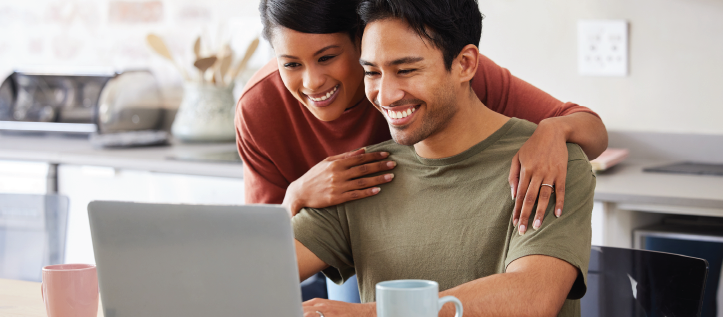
450	220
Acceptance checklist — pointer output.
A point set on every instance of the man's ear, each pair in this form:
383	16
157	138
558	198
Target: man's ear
467	62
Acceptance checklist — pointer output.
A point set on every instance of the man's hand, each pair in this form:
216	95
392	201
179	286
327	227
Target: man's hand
332	308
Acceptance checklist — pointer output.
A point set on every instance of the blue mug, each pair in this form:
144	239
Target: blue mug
412	298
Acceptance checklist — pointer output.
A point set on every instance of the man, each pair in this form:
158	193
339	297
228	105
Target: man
447	215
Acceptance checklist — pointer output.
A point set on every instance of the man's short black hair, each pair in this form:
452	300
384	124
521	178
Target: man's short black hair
449	24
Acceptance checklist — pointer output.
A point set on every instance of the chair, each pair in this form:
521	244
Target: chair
32	234
627	282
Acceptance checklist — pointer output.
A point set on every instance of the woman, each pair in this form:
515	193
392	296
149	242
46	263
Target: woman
302	115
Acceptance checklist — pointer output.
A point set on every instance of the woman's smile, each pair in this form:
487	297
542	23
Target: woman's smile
325	98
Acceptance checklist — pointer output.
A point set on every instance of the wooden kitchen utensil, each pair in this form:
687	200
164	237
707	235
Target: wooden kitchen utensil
224	67
197	48
242	64
159	46
204	64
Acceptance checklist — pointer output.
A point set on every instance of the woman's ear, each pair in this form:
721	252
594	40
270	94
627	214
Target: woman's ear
467	61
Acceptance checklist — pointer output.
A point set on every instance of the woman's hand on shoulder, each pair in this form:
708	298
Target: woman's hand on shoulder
541	160
339	179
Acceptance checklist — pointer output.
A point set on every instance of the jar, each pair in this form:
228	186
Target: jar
206	113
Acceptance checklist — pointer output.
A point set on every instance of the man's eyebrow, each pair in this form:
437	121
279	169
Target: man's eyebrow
406	60
365	63
399	61
317	52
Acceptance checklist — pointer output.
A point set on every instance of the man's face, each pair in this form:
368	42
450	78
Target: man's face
406	80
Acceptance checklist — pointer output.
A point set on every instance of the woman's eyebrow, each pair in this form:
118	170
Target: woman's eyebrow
326	48
317	52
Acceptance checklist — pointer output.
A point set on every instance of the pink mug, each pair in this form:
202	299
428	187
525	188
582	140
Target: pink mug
70	290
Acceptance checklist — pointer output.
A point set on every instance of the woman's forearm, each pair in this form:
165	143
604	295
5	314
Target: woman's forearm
582	128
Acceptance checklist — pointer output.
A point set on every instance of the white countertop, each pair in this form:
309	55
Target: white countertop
78	151
628	184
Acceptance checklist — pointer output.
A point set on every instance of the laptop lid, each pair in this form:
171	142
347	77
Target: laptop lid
194	260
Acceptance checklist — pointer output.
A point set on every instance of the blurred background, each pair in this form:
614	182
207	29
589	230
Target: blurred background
675	49
107	34
652	69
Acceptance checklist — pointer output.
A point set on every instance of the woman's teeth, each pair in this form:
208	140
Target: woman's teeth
328	94
400	114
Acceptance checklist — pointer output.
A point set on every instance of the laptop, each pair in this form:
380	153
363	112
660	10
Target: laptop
194	260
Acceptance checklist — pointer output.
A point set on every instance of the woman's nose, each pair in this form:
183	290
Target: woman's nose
313	79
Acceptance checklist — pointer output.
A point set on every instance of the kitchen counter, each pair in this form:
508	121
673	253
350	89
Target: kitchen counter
78	151
623	184
628	184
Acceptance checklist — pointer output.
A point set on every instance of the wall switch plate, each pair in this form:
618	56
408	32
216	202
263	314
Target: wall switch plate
602	47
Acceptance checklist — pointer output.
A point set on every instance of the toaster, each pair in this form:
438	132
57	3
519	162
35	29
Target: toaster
102	102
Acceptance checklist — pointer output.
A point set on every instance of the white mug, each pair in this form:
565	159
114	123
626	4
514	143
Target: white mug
412	298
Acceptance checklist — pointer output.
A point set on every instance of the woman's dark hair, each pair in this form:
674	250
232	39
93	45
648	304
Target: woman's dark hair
310	16
449	24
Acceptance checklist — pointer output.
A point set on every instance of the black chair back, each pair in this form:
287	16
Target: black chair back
627	282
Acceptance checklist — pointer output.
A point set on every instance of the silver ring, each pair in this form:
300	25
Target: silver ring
548	185
320	314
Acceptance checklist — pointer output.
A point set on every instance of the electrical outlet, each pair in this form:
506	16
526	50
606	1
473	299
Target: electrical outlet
602	47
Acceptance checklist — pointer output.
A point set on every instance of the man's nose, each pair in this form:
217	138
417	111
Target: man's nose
313	78
389	91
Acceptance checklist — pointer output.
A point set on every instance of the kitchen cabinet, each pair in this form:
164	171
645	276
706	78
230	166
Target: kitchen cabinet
83	184
24	177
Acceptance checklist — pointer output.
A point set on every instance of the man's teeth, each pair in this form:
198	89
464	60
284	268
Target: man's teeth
328	94
400	114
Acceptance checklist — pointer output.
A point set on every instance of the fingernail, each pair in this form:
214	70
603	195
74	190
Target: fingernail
391	164
389	177
364	149
522	229
536	224
385	154
558	213
514	223
376	190
512	193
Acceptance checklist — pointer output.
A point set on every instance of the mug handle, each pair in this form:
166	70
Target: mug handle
41	292
457	304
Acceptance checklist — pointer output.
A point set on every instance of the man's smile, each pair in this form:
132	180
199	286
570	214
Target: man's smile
400	115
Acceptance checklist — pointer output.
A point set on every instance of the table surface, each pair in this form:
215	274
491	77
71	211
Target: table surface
23	299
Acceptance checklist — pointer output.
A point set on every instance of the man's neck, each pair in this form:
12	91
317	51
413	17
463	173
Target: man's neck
472	123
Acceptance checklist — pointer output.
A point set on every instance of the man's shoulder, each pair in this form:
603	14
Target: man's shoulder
522	130
387	146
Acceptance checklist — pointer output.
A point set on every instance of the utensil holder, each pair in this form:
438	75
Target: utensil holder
206	114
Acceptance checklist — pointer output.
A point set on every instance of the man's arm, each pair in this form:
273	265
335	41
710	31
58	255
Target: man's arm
535	285
309	263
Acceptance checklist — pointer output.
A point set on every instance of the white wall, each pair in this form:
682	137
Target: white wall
676	58
676	48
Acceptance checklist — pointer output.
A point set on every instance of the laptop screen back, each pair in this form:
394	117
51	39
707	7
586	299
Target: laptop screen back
193	260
